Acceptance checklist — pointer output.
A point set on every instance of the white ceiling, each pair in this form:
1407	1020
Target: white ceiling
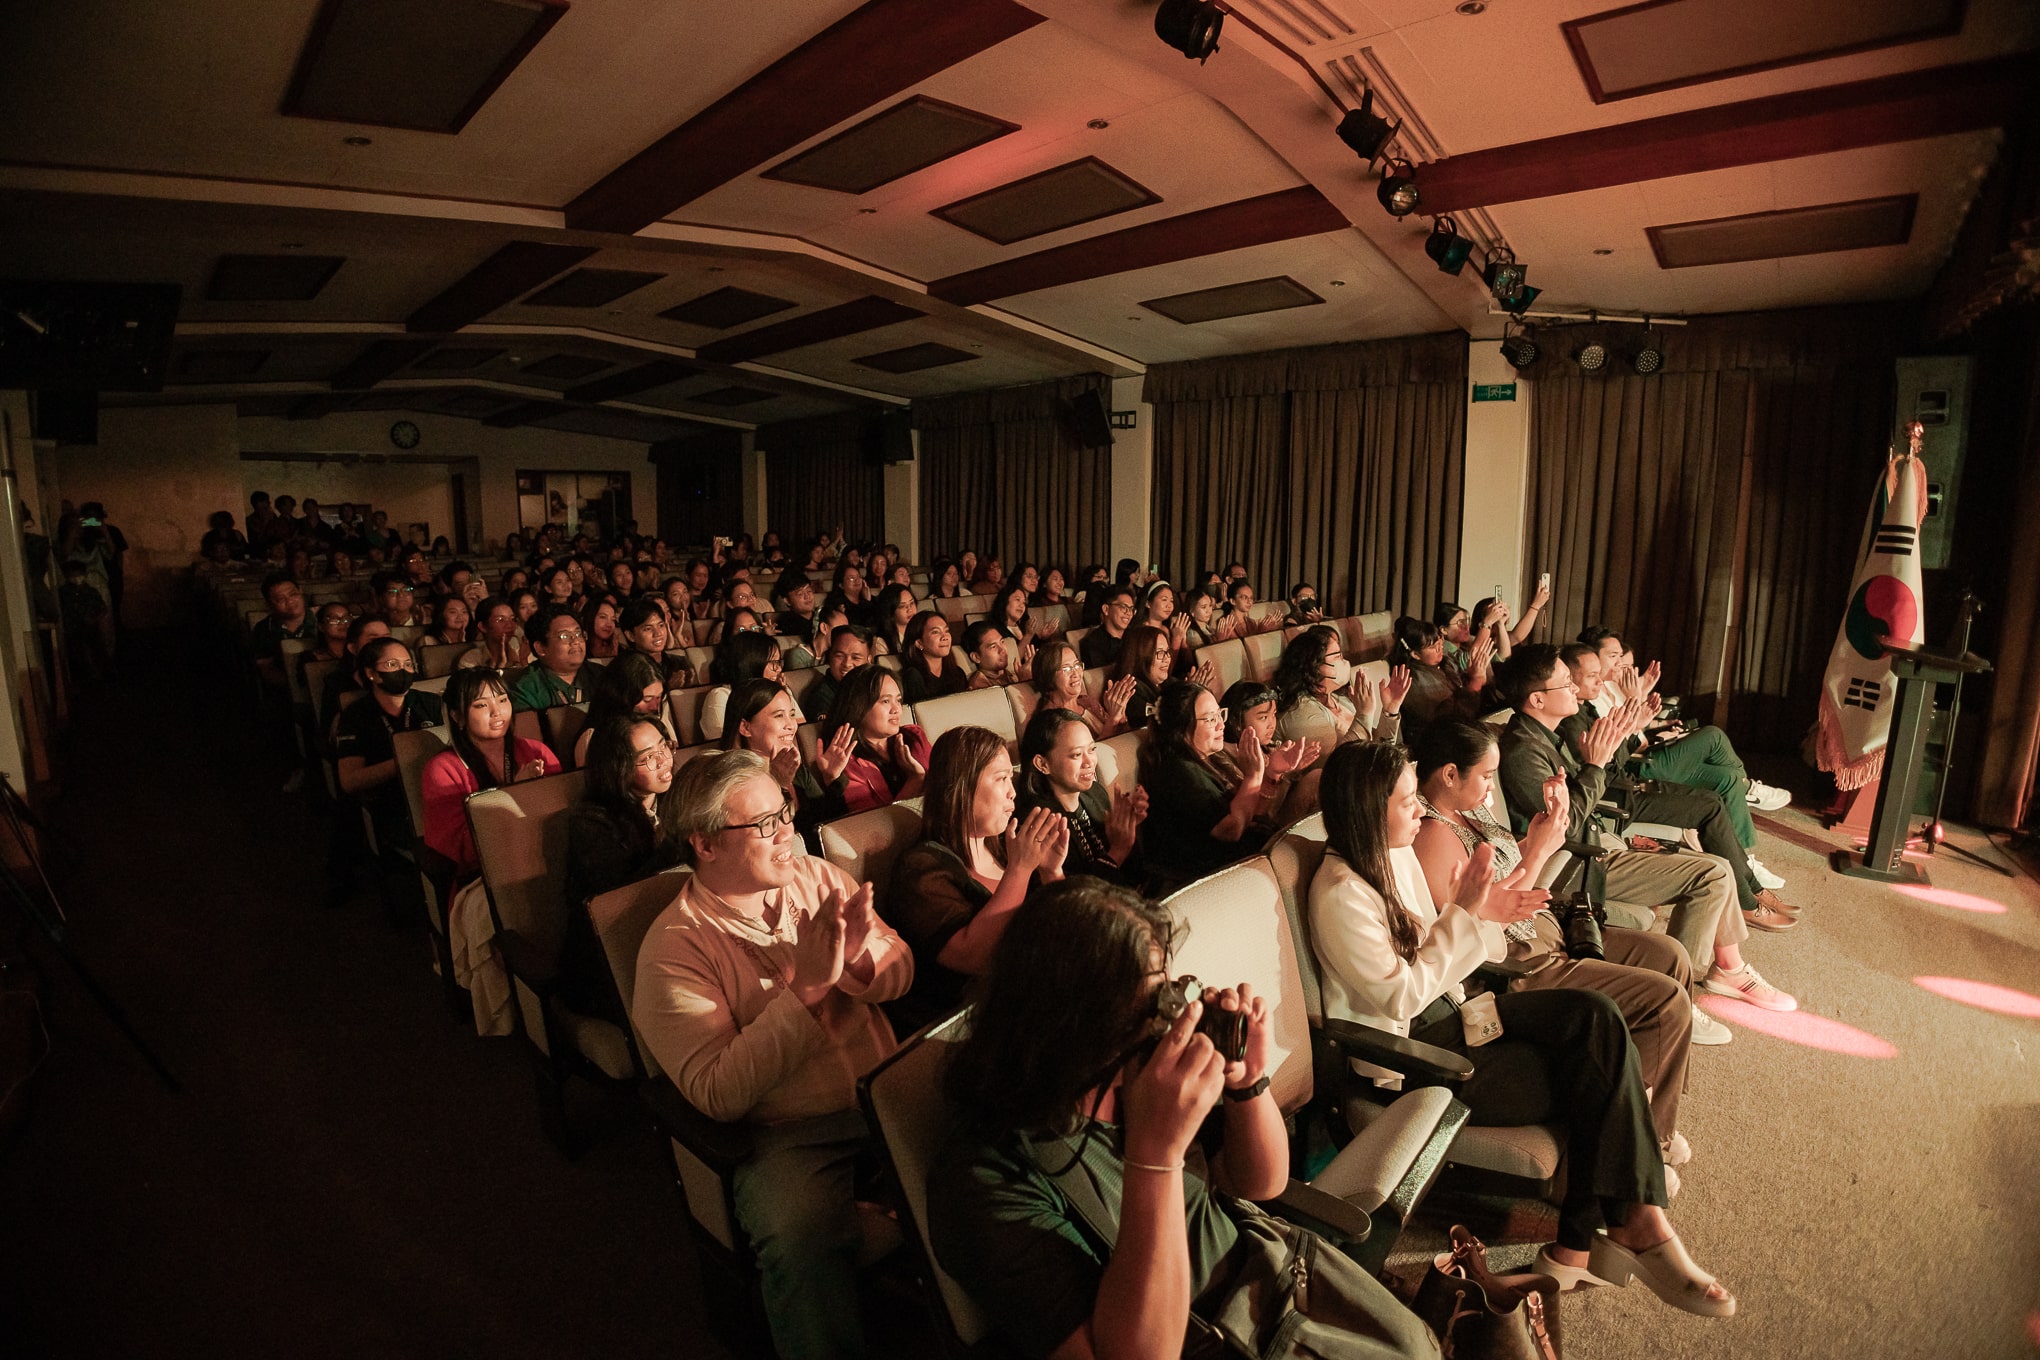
141	142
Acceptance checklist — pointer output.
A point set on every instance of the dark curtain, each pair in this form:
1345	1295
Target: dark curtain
1340	465
821	473
1000	473
1638	488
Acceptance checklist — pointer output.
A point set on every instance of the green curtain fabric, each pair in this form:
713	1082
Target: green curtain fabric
1000	474
1636	482
819	474
1340	465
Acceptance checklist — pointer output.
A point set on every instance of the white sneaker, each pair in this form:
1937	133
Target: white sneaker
1708	1031
1747	984
1677	1151
1671	1182
1768	797
1765	878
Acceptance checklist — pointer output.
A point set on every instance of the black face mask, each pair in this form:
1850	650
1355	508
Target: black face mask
1307	603
394	682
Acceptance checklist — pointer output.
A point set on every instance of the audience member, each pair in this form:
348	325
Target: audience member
1059	772
1323	697
1059	680
559	654
1200	812
628	687
1102	645
743	656
889	760
1395	960
929	668
757	992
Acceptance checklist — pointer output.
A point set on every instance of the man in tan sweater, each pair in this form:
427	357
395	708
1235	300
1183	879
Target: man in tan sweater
757	992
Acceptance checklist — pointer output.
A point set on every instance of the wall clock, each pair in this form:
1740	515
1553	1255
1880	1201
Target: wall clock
404	435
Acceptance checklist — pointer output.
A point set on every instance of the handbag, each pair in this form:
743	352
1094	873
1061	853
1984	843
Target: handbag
1478	1315
1284	1293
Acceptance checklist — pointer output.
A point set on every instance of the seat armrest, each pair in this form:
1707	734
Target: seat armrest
721	1146
1396	1053
1505	971
527	963
1323	1213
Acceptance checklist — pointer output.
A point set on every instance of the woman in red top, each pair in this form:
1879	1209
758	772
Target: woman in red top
889	761
484	755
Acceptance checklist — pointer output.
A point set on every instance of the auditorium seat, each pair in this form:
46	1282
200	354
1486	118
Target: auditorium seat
414	751
1369	636
696	659
865	844
1119	761
439	659
1094	681
972	708
683	708
1024	700
1228	659
799	681
1264	655
1042	615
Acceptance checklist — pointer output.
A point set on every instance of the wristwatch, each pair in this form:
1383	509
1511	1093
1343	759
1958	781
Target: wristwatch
1246	1093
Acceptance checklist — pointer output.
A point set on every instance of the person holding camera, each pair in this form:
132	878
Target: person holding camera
1394	958
1648	975
1083	1200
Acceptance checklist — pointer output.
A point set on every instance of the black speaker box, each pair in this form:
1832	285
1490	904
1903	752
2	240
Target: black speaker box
890	438
66	417
1087	424
112	337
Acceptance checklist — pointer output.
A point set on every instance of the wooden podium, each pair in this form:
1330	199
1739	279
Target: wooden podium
1918	670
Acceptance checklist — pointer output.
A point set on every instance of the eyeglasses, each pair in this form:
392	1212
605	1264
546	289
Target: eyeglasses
399	590
769	825
654	756
1552	689
1076	666
570	635
1218	717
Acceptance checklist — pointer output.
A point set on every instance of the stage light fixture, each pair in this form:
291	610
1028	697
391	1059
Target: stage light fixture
1650	358
1592	357
1503	275
1446	247
1519	301
1520	348
1190	26
1365	130
1398	189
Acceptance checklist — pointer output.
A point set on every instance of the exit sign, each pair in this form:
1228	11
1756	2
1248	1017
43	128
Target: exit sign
1494	391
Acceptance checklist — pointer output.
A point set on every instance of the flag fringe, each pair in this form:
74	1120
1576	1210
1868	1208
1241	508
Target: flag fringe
1833	756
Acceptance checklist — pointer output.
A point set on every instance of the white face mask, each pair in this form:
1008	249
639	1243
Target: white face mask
1342	672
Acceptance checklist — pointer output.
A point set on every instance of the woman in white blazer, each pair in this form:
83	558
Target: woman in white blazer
1392	958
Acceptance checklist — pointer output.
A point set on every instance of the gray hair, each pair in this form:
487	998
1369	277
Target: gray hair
701	792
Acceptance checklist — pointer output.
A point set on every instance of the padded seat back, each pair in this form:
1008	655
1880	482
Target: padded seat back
696	659
1023	700
1268	611
1229	659
1119	761
432	685
799	681
1264	654
520	835
1375	671
1094	681
437	660
1368	637
622	918
972	708
683	712
408	633
562	730
1295	856
290	652
1076	635
1056	616
903	1101
1230	928
865	844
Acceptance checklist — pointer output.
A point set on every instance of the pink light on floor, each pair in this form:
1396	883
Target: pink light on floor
1984	996
1800	1027
1948	897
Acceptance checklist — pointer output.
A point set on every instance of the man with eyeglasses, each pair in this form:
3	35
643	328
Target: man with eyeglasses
1100	646
393	599
559	649
758	992
1700	887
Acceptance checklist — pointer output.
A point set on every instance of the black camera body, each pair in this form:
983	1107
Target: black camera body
1226	1029
1582	919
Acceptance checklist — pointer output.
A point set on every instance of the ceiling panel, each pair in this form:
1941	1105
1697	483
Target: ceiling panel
427	67
1084	190
1234	299
1863	224
911	135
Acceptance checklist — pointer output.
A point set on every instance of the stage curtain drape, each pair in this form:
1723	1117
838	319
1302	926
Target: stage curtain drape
818	474
1000	474
1340	465
1636	486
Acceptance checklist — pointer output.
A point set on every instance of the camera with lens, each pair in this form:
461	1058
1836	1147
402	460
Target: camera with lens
1582	920
1226	1029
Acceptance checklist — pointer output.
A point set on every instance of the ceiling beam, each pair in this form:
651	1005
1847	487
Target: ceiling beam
1877	112
1281	216
639	378
831	323
869	55
501	279
379	361
525	413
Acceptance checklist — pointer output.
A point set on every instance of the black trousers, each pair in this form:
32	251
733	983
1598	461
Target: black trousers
1565	1057
1702	811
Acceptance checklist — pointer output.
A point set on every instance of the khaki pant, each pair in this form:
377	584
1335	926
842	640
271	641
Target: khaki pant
1649	977
1701	889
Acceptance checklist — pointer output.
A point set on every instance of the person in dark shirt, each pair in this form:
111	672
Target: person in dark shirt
365	761
1059	772
1101	646
929	669
849	648
1200	815
1145	657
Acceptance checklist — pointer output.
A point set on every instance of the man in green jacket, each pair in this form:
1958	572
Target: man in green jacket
559	650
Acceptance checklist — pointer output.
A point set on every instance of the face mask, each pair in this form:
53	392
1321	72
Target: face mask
1342	673
1215	591
394	682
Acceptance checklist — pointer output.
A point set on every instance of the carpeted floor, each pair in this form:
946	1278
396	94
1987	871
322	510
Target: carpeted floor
349	1173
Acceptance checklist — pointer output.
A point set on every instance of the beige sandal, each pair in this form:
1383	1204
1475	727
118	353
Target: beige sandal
1666	1269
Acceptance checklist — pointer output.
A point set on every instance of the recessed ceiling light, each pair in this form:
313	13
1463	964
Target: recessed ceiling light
1603	250
1097	125
356	141
293	245
867	211
1338	283
1472	7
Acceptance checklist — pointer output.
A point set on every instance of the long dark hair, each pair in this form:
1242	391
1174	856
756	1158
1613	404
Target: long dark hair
1136	649
1170	730
618	687
611	762
1044	730
1297	674
1412	635
854	697
958	762
1032	1056
1358	780
1004	598
463	687
748	698
742	656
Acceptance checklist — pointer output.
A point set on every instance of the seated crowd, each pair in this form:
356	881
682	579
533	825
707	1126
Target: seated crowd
1451	792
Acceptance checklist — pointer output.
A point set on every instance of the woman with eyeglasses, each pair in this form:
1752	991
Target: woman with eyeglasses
1146	658
743	656
628	687
929	667
888	758
955	889
1059	772
484	755
1059	680
1201	815
764	718
499	639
